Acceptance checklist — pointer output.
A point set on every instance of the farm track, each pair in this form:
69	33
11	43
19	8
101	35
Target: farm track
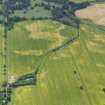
5	50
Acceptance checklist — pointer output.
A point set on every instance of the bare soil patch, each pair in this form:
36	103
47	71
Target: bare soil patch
96	13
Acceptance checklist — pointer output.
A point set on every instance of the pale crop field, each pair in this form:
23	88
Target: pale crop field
96	13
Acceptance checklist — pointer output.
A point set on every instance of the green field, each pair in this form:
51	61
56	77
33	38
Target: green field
72	76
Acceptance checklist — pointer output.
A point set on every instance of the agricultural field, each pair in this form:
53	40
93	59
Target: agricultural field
98	17
71	75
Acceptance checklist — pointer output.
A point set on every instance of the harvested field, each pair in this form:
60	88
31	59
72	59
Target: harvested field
93	13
